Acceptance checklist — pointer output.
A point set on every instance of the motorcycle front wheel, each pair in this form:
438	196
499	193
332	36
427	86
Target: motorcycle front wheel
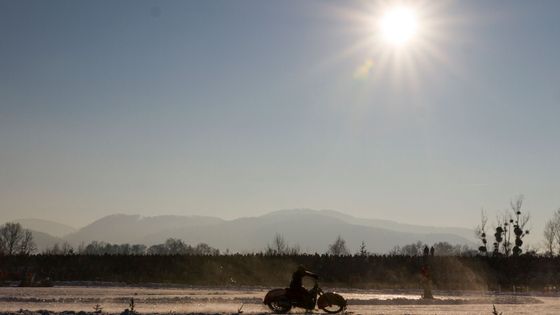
333	308
280	306
332	303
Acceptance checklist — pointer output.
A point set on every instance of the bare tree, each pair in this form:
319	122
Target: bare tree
138	249
413	249
204	249
518	223
280	246
480	232
363	250
552	233
549	234
338	248
509	231
294	249
16	240
175	246
504	223
446	249
27	245
57	249
10	235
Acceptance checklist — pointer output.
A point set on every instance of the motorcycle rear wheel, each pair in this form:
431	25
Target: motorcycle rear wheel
280	306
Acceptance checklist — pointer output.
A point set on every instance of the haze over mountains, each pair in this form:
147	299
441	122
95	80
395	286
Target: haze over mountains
53	228
312	230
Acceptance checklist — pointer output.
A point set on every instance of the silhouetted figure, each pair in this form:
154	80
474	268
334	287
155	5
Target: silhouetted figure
426	283
296	285
426	280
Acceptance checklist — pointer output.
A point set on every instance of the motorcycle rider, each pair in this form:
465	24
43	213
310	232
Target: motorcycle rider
296	285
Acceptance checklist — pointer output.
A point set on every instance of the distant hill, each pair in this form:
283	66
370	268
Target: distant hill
313	230
123	228
39	228
46	226
43	240
401	227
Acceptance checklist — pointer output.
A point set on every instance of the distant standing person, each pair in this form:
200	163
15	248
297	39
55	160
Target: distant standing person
426	282
432	251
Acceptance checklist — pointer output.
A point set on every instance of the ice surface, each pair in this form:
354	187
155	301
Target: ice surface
165	300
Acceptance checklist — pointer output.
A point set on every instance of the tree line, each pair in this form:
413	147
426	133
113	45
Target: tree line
15	240
171	246
379	271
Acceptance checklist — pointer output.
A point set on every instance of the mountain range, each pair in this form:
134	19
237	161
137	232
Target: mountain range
311	230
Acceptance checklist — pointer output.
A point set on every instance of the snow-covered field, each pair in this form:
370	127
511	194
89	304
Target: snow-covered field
229	300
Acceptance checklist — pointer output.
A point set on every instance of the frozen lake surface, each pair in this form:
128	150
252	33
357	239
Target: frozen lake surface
114	299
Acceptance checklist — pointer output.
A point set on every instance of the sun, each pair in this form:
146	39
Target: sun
398	42
399	25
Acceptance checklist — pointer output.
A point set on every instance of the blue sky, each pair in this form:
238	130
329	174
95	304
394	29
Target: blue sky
237	108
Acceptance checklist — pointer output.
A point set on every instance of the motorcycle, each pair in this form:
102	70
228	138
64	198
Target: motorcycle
282	300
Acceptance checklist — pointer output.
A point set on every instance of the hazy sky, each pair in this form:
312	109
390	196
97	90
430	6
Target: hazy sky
237	108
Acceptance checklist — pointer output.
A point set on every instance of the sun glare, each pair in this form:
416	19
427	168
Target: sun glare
397	41
399	25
